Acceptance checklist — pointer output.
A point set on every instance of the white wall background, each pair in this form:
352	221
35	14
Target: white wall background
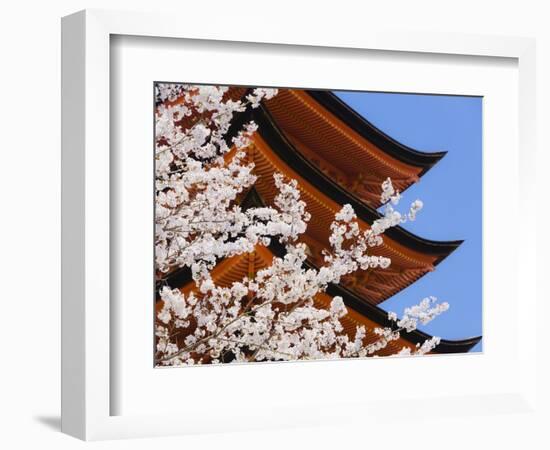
30	196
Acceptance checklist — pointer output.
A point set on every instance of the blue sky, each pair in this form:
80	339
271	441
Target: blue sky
452	196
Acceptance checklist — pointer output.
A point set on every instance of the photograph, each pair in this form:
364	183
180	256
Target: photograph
305	224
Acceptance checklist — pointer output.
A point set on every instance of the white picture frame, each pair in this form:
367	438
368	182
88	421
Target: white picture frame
87	328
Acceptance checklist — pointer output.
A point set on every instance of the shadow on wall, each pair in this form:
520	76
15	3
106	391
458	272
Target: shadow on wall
51	422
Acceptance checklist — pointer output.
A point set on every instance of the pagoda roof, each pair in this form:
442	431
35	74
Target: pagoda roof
285	150
346	146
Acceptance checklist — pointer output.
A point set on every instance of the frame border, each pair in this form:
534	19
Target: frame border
85	188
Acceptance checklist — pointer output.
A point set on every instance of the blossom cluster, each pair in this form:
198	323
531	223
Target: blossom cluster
201	174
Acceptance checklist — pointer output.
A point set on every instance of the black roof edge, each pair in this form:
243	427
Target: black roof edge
269	130
378	315
358	123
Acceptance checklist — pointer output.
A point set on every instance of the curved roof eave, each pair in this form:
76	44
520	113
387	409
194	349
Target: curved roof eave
380	316
373	134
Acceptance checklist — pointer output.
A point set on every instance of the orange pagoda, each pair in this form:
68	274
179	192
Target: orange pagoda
337	157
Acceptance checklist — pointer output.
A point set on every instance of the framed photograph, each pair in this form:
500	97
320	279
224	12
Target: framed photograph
272	229
277	233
